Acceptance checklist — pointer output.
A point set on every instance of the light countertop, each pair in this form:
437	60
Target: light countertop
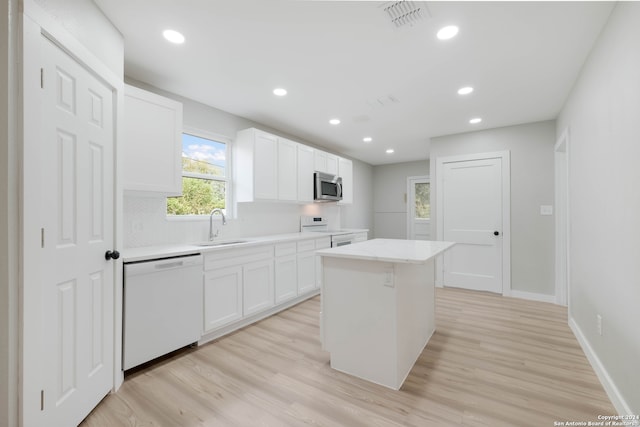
389	250
145	253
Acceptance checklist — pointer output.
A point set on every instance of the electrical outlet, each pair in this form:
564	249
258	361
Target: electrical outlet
599	323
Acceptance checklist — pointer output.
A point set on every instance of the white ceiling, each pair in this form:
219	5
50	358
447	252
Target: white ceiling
347	60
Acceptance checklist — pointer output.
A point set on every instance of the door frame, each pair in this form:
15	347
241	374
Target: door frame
411	201
505	157
562	219
36	23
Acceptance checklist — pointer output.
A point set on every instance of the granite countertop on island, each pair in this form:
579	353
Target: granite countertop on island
389	250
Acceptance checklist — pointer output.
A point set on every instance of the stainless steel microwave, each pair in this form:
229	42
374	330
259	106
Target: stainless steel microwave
327	187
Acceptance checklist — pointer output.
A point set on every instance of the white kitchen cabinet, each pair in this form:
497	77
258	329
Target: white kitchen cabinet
305	173
255	166
308	263
287	170
222	297
322	243
152	148
286	272
257	289
286	276
265	167
345	171
306	272
325	162
238	282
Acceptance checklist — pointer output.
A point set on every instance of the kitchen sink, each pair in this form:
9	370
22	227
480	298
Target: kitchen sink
221	242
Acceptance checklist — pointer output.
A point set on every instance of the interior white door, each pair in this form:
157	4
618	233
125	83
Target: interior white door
76	173
472	217
418	208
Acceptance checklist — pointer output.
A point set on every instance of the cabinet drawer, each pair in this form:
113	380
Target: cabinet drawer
306	245
323	243
283	249
230	257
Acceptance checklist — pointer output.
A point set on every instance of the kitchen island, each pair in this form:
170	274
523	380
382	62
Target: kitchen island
378	306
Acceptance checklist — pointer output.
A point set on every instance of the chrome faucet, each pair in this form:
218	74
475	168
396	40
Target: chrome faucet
224	222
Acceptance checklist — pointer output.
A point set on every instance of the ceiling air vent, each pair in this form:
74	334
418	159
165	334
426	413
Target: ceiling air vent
405	12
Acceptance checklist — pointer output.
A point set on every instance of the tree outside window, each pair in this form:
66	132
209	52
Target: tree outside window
423	206
204	177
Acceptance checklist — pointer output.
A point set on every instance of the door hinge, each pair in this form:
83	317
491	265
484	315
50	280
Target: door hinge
42	400
42	237
42	78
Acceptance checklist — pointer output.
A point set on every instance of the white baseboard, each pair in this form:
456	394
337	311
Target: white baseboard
610	388
532	296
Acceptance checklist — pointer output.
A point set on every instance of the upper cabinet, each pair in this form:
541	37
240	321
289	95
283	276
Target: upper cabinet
265	167
305	173
288	170
325	162
152	147
271	168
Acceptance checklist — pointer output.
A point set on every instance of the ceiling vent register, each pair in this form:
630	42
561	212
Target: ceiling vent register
405	12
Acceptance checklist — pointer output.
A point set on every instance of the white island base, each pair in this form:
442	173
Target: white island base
378	306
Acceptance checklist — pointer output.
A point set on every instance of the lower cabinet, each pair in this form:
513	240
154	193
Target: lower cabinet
323	243
239	283
257	293
306	271
222	297
286	273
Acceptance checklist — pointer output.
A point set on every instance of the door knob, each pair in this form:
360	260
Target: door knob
496	233
111	255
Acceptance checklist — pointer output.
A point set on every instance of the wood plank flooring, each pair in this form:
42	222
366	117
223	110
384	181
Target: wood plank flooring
492	361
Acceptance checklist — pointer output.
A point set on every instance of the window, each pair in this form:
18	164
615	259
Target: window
423	206
205	176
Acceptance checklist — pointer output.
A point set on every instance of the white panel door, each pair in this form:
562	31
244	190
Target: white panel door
472	217
77	218
305	173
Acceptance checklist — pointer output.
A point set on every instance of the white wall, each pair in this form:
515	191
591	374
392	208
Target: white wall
389	197
532	235
252	219
602	114
86	22
8	216
360	213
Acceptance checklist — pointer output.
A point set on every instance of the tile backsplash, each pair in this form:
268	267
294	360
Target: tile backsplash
145	221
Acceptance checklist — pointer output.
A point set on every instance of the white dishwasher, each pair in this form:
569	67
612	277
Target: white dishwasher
162	307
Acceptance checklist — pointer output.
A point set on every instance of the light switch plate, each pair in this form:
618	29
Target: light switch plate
546	210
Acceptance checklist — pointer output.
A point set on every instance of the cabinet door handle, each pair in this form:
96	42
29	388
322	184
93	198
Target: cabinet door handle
496	233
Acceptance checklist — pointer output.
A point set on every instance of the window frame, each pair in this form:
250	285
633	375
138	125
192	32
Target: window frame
227	179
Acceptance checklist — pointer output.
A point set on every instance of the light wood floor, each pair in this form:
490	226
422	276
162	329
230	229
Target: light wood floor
492	361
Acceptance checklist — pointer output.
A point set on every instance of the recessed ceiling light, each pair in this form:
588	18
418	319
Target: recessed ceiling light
448	32
173	36
465	90
367	139
475	120
279	91
390	151
334	121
